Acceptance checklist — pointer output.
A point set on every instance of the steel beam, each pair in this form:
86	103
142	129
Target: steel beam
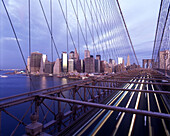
166	84
108	107
153	79
122	89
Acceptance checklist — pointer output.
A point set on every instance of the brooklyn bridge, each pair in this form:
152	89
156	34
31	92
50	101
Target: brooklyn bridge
110	92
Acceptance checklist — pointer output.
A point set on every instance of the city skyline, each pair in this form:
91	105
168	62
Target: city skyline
38	63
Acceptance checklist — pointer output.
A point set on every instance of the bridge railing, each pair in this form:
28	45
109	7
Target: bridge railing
60	107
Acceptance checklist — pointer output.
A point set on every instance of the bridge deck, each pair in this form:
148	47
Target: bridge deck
82	96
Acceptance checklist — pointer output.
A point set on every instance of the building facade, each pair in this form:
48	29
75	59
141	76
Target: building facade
43	63
35	62
57	67
97	65
89	65
128	60
86	54
120	60
70	65
98	57
64	62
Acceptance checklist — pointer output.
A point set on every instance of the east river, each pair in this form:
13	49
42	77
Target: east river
17	84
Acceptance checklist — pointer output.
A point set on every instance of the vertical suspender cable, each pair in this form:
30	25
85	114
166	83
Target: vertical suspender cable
66	25
48	26
127	31
16	37
51	13
78	41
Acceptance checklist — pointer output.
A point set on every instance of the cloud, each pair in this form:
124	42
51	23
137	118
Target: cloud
3	39
114	36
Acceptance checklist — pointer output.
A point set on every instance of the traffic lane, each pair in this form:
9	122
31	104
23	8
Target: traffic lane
141	126
129	118
126	121
102	114
156	124
163	110
109	125
91	127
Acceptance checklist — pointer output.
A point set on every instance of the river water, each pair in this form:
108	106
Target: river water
17	84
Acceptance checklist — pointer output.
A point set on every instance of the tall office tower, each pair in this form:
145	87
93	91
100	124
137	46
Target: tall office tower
89	65
128	60
35	62
82	66
43	63
71	55
57	67
123	63
49	67
97	65
113	65
113	62
28	65
70	65
64	61
102	66
164	59
86	54
78	65
107	68
76	55
120	60
76	59
98	57
110	61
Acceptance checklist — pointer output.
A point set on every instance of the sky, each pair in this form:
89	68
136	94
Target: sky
140	16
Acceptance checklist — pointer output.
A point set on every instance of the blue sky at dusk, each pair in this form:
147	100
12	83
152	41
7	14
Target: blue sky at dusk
140	16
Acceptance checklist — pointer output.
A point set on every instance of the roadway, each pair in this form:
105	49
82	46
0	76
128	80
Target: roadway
115	123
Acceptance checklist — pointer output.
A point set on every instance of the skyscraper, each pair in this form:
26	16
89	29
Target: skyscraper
70	65
98	57
76	55
97	65
89	65
35	62
28	65
78	65
111	64
49	67
43	63
102	66
71	55
120	60
128	60
86	54
57	67
64	61
82	66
